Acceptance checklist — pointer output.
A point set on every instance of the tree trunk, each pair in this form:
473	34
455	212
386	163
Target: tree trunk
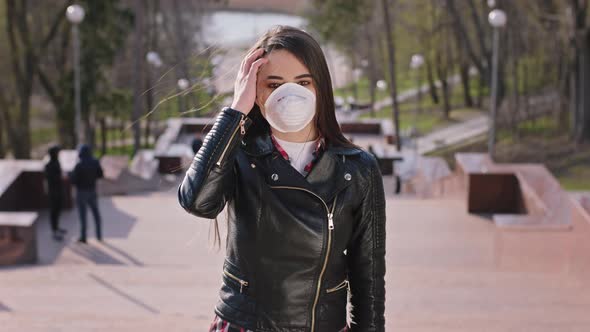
583	95
581	72
481	84
442	77
103	135
393	86
431	84
464	72
2	151
138	74
371	69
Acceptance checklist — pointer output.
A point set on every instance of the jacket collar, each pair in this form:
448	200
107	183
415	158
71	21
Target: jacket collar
327	177
262	145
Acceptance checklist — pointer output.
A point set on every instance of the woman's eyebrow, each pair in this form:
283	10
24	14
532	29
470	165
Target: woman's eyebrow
270	77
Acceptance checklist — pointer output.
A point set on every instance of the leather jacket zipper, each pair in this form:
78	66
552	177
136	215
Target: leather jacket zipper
242	131
343	284
330	228
242	283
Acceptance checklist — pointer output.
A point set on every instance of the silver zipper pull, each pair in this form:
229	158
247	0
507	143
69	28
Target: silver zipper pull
241	286
242	123
330	221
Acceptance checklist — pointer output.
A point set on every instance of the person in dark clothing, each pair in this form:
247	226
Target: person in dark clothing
84	176
53	175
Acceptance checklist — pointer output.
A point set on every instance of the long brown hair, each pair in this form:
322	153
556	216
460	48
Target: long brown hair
307	50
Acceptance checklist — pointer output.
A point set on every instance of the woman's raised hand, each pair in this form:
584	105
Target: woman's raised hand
245	85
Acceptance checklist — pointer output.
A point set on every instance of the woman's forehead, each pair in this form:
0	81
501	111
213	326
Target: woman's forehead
282	63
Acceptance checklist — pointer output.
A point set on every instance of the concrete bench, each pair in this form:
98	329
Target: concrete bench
431	177
173	148
113	166
581	206
375	128
386	157
18	239
519	196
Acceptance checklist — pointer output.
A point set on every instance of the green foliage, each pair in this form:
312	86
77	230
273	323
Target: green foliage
103	33
116	103
338	21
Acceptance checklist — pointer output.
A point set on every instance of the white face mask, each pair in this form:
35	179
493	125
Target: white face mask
290	107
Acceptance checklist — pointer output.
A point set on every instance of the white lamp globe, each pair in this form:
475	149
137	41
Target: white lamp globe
153	58
381	85
75	14
497	18
416	61
183	84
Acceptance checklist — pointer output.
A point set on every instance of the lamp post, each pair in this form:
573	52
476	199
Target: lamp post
75	14
183	84
153	58
416	63
497	19
381	85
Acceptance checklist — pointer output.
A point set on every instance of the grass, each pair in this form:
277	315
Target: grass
539	141
43	135
427	121
124	149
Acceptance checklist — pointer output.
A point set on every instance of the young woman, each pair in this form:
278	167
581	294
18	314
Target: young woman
306	207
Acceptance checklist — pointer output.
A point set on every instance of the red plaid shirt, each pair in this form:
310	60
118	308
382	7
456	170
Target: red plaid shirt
320	145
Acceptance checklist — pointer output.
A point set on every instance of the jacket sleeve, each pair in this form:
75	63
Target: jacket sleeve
366	258
99	170
210	179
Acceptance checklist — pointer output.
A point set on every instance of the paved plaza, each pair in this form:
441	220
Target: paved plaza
156	271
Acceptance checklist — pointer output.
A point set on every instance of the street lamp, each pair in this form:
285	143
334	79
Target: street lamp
416	63
75	14
183	84
497	19
154	59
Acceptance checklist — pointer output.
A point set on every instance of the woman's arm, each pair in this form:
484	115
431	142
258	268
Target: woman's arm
366	256
210	179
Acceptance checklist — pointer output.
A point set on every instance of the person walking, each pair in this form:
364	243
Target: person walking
54	178
84	177
306	207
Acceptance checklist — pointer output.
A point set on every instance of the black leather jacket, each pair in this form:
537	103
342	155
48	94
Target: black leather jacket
295	244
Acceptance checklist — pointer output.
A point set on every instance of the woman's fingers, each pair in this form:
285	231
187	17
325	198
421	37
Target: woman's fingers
254	67
250	59
245	85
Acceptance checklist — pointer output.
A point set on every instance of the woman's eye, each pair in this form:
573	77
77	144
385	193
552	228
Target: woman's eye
276	85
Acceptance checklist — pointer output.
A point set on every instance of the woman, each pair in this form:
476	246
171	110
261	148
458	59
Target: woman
306	207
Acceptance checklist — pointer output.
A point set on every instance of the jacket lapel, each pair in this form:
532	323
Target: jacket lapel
327	177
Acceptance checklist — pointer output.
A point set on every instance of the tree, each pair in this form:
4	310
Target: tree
23	53
580	75
103	32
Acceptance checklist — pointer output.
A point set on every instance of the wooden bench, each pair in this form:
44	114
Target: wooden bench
18	238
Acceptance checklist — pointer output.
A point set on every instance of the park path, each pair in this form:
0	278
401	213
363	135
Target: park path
446	271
